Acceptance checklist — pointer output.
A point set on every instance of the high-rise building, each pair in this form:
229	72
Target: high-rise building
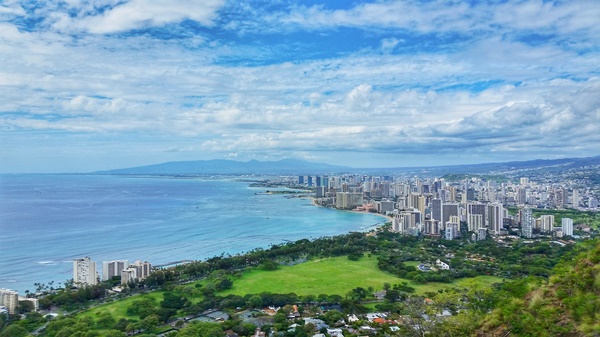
432	227
522	196
451	231
475	209
128	275
547	222
592	202
10	300
436	209
575	198
470	194
407	222
567	226
143	269
448	210
111	269
495	217
310	181
300	180
348	200
475	222
560	197
84	271
526	222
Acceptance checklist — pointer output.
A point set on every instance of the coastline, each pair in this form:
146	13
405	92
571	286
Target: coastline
183	218
387	218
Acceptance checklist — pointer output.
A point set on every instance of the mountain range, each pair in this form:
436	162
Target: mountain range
294	166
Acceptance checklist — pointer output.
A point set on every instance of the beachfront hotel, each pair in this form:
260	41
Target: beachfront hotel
10	300
84	272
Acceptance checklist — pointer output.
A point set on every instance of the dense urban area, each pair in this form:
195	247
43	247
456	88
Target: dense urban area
511	252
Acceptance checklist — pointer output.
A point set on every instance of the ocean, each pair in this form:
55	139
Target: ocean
48	220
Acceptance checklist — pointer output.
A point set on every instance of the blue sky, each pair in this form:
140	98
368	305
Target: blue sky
107	84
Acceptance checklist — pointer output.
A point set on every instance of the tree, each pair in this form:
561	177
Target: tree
114	333
14	330
172	301
254	302
201	329
269	265
149	322
105	320
332	316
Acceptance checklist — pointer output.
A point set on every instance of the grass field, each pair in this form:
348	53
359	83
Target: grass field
330	276
118	309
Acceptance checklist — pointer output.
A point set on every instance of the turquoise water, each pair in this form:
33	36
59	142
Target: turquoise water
48	220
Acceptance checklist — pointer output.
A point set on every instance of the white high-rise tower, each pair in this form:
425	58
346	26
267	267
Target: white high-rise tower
84	271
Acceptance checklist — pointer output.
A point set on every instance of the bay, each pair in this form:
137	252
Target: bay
48	220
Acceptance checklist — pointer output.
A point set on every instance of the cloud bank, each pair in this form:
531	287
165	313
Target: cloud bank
108	84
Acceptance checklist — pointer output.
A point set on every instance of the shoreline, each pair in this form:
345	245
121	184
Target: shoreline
261	210
314	203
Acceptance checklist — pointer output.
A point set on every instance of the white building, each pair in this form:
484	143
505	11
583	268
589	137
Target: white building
128	275
143	269
137	271
547	223
84	271
9	299
475	221
495	217
526	223
111	269
567	226
442	265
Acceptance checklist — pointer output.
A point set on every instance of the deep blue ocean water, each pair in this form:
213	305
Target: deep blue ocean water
48	220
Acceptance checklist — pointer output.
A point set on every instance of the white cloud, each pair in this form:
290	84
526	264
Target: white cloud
205	94
136	14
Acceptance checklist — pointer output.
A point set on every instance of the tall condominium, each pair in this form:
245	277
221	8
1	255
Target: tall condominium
143	269
567	226
495	217
137	271
547	222
111	269
526	222
10	300
476	216
436	209
84	271
448	210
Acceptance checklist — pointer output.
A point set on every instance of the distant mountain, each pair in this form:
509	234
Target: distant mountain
222	166
293	167
549	165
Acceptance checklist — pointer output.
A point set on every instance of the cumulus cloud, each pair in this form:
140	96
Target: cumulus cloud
256	80
136	14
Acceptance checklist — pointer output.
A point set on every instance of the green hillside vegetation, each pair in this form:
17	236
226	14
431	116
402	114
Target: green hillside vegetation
566	305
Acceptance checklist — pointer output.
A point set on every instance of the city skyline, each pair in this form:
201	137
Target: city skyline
115	84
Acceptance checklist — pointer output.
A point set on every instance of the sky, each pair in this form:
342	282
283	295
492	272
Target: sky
103	84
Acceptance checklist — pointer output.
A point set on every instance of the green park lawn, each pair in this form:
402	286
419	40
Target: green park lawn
330	276
118	309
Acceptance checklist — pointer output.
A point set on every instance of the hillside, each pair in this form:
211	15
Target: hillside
567	305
